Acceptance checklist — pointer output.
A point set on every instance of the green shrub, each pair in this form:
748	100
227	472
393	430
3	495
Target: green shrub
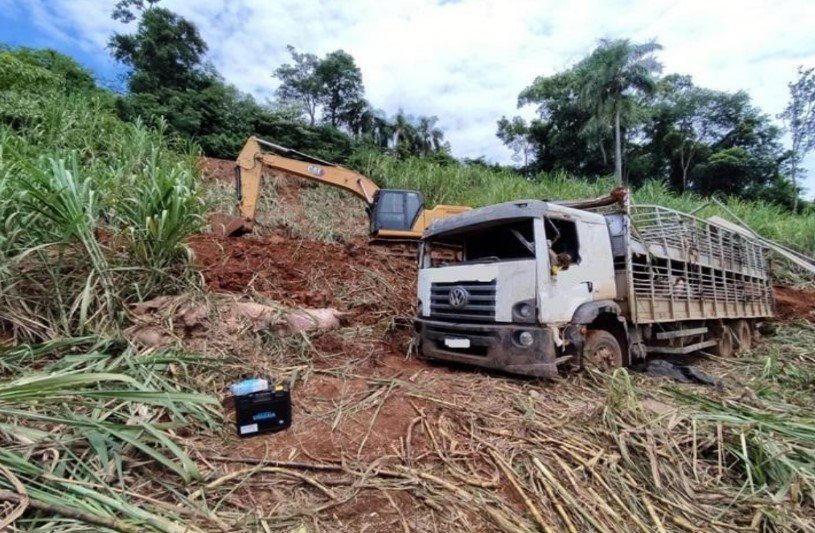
95	210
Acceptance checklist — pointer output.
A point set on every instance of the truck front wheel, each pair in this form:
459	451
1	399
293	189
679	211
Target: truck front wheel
602	350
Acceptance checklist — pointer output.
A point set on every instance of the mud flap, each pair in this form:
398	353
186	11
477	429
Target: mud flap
574	334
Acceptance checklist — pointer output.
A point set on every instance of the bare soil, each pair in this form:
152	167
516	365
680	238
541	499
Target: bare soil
360	398
369	283
220	169
367	280
794	304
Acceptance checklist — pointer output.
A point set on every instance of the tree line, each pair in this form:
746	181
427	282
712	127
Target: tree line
613	111
320	104
330	90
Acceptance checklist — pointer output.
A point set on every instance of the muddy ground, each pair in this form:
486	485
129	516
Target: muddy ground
382	441
358	396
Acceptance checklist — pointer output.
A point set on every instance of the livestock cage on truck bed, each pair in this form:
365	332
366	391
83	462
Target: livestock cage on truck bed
673	267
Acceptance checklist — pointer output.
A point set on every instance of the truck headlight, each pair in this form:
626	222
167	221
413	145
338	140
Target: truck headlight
525	338
525	310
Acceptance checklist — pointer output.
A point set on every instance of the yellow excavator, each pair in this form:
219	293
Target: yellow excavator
395	214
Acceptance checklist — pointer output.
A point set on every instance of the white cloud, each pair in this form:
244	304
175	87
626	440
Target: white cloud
467	61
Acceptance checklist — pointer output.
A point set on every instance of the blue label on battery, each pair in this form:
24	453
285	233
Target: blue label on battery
266	415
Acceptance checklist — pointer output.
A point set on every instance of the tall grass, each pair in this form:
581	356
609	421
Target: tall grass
476	186
95	210
75	430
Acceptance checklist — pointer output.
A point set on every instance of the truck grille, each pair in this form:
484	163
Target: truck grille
480	304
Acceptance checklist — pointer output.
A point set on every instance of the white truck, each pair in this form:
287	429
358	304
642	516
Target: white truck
528	286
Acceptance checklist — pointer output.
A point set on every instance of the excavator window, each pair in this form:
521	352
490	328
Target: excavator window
395	210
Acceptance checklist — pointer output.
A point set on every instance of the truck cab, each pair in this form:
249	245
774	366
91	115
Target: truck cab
512	286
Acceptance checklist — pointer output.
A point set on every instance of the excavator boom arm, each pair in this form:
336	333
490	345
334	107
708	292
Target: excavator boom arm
394	213
253	158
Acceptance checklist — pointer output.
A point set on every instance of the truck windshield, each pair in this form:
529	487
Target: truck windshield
509	241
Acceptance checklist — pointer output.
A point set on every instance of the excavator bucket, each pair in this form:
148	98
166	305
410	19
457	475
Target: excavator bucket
234	226
225	225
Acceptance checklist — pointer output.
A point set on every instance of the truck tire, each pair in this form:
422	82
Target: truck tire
724	341
743	334
602	350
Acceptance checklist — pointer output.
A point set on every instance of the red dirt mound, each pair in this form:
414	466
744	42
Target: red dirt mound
338	413
366	280
793	304
214	168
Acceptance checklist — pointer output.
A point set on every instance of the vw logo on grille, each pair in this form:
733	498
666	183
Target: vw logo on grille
458	297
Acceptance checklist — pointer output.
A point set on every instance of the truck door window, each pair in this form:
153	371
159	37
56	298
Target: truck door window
562	237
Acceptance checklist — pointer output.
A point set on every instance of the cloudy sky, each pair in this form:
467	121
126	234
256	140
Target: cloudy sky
464	61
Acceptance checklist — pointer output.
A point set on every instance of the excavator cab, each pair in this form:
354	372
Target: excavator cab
395	210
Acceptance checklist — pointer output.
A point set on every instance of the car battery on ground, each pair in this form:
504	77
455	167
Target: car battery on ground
263	411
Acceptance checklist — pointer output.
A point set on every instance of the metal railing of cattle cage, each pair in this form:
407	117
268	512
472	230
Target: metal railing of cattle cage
684	267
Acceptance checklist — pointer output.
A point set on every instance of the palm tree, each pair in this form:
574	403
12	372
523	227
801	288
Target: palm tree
610	78
404	134
424	137
430	138
381	130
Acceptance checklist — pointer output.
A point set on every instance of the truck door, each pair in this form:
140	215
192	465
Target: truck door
582	280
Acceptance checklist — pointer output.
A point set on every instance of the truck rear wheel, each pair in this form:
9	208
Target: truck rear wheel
744	334
724	341
602	350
